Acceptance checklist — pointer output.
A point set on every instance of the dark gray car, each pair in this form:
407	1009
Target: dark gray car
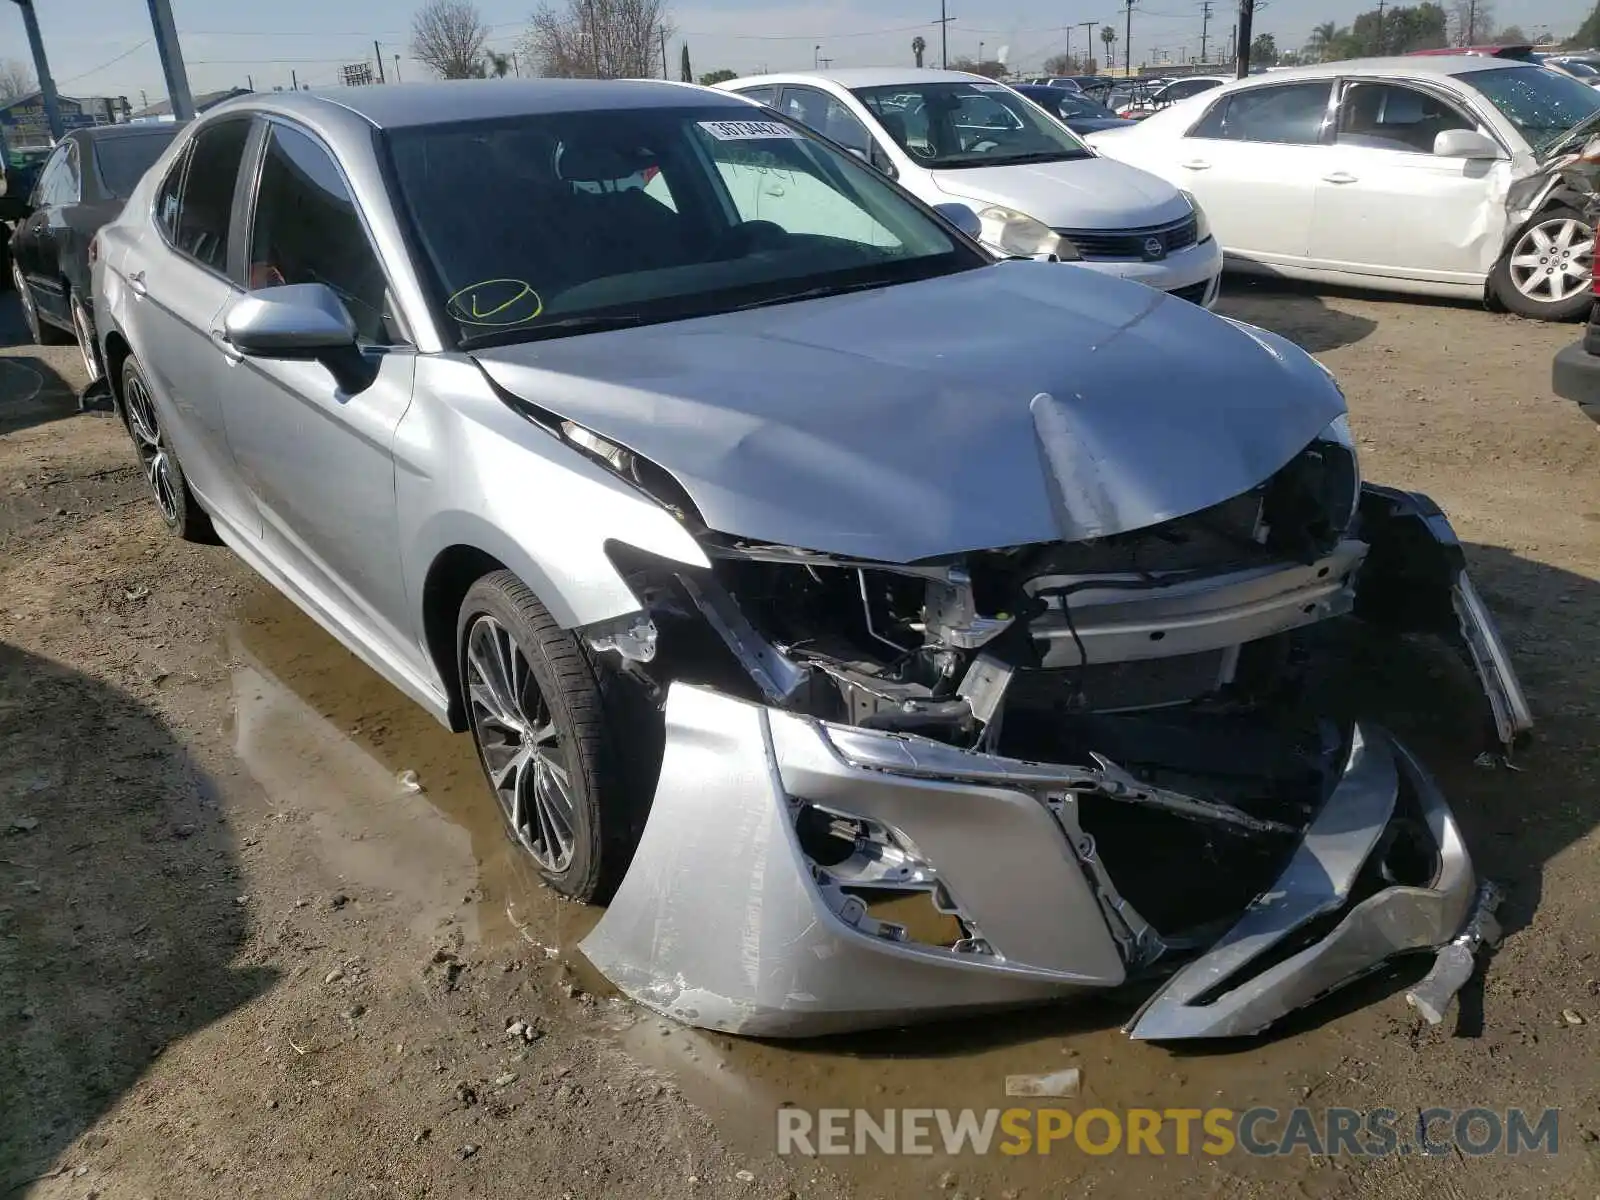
82	186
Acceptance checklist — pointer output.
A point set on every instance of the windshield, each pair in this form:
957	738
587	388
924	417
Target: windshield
978	124
549	224
124	160
1543	105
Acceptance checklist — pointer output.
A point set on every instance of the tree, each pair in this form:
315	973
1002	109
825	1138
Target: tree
16	80
1512	35
599	39
1066	64
718	76
1471	21
1589	32
496	64
1108	36
1264	50
919	47
989	67
447	36
1320	45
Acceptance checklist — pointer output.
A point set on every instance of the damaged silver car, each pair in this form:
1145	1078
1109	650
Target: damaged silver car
885	631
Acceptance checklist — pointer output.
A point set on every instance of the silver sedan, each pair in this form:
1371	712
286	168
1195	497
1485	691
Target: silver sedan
885	631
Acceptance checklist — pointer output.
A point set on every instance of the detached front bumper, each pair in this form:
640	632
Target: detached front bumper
725	922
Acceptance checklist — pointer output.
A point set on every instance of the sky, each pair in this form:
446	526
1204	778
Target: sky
103	47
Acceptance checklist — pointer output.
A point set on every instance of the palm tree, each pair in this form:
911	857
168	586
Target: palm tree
499	64
1321	41
919	48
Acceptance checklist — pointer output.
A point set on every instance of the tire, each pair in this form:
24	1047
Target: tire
83	334
42	333
1546	269
573	803
174	501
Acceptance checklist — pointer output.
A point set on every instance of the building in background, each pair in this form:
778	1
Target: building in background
24	126
162	111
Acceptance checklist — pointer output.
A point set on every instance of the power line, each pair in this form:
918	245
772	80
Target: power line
109	62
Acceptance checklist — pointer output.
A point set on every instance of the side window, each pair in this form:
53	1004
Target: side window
70	186
827	116
1391	116
205	208
761	95
44	191
980	112
307	230
1291	114
167	199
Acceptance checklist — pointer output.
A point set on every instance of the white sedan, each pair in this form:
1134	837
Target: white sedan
950	138
1421	174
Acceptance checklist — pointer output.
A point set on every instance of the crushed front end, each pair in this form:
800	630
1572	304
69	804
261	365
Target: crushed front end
892	792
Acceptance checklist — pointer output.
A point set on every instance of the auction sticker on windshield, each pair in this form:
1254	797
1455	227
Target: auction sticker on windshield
747	131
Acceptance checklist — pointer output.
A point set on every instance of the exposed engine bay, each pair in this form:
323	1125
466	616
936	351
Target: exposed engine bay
1144	693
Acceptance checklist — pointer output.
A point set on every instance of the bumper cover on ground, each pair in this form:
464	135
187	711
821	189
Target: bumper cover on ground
721	922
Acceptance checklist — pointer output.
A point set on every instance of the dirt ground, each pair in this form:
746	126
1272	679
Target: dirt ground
239	957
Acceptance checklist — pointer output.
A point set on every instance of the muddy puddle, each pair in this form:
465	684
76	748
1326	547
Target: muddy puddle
323	733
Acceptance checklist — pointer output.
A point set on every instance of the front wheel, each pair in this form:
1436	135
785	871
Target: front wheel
1547	271
554	746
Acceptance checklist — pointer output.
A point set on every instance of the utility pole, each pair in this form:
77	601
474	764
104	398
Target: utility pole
1247	12
1472	22
41	68
1205	25
1380	26
516	67
816	58
166	38
377	53
1127	42
664	74
1233	43
980	55
250	82
294	80
1090	26
397	68
944	35
1068	51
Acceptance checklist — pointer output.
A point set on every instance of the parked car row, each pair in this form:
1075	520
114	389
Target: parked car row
860	610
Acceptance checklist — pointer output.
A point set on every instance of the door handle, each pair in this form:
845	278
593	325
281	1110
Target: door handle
1339	177
136	283
1196	164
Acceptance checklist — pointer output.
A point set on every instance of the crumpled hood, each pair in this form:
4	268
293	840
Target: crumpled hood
1022	402
1087	193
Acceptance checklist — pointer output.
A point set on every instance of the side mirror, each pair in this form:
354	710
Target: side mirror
962	217
304	321
1465	143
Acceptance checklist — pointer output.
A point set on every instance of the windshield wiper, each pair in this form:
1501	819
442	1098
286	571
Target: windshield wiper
590	323
1018	160
1567	138
816	293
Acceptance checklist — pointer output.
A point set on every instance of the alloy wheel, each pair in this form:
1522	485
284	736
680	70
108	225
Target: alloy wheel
521	749
85	336
1553	261
152	447
29	313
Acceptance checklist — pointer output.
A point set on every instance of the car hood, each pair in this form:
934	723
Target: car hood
1017	403
1084	193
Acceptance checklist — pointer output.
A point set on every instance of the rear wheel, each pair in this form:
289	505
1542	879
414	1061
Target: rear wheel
176	503
83	330
1547	271
552	744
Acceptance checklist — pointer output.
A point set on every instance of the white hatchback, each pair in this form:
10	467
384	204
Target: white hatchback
1038	190
1429	175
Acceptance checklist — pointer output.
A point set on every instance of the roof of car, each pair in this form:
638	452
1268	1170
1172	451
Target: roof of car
394	106
860	77
108	133
1398	66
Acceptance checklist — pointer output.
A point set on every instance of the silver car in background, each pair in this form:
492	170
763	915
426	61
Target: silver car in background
885	631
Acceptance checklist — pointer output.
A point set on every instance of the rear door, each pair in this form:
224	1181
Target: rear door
180	277
318	461
1253	160
1387	205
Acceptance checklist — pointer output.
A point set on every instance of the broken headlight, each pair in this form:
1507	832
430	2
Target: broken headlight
1346	493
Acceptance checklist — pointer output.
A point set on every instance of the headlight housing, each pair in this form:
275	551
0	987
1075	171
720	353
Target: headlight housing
1007	231
1339	433
1202	227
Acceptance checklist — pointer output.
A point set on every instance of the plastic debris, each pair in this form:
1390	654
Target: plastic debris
1056	1083
408	782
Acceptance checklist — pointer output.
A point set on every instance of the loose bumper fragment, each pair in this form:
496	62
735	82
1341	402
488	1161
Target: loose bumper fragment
1457	959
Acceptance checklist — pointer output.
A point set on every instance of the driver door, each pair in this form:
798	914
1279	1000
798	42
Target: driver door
318	461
